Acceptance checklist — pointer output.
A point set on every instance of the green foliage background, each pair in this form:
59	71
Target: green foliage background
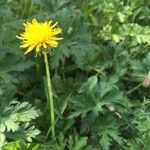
100	76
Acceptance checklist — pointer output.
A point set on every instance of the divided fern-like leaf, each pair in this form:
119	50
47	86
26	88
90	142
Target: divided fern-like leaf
15	120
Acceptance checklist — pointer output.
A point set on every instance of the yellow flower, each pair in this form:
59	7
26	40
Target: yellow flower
39	34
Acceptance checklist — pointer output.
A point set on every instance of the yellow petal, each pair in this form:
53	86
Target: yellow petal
37	49
56	31
44	45
55	38
49	23
19	37
54	25
53	43
29	49
24	45
34	21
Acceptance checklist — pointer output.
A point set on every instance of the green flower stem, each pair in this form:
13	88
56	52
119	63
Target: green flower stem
135	88
50	95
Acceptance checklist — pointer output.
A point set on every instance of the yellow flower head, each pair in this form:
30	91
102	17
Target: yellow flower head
37	35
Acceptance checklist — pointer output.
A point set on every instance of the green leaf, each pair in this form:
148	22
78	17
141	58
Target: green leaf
77	143
15	120
2	139
90	84
108	132
19	145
